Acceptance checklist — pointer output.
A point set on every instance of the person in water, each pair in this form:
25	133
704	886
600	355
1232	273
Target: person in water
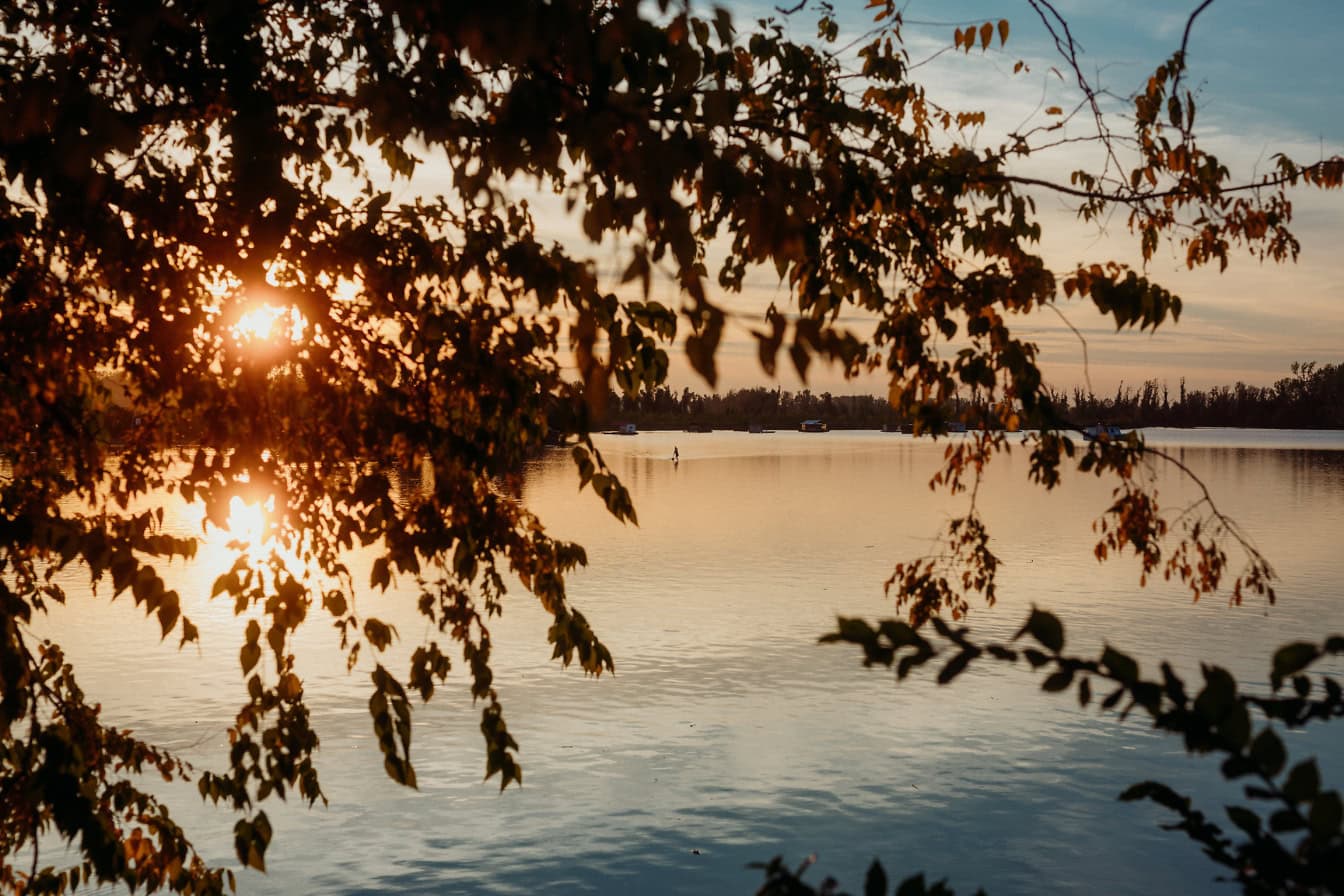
676	458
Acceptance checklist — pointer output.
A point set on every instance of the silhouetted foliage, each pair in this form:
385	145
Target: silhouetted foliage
1288	838
781	881
199	208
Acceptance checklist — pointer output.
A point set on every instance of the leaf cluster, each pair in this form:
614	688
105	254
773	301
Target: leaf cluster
1288	838
780	880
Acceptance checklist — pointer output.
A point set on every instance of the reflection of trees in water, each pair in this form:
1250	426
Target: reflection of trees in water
409	483
415	482
1305	468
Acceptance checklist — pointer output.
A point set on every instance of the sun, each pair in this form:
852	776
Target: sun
259	323
270	323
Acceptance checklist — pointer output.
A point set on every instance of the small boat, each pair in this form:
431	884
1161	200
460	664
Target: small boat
813	426
1096	431
627	429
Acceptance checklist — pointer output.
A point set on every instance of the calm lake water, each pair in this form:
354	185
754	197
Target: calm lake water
728	735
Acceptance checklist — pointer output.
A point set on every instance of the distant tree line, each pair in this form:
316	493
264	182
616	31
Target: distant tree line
661	408
1311	398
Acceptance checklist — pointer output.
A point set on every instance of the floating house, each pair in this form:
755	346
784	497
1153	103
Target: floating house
813	426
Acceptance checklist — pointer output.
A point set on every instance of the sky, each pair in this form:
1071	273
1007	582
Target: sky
1268	78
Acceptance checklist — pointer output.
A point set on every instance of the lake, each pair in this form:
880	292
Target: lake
728	735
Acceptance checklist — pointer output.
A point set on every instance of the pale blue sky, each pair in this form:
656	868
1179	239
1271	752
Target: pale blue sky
1277	62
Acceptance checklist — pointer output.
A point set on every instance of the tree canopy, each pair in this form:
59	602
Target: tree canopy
206	204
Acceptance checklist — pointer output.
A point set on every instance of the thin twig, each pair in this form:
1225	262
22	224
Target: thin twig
1082	340
1185	42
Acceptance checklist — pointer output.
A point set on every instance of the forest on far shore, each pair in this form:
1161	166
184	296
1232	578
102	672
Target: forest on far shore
1312	397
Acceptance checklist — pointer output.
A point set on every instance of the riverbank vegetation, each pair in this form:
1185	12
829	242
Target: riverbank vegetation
1311	398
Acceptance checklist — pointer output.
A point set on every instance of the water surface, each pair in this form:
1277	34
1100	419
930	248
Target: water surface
728	735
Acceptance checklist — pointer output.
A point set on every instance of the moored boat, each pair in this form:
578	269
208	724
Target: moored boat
1096	431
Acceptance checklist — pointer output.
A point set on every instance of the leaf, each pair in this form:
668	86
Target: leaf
1245	819
381	575
1218	695
1157	792
912	886
1235	725
169	612
1120	665
1267	751
1327	813
1046	628
1284	821
334	602
801	359
379	633
250	654
1036	658
1056	110
956	665
1058	681
391	714
250	839
1303	782
1003	31
875	882
1291	659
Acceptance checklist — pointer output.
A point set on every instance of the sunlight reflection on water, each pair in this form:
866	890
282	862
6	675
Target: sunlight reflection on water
727	730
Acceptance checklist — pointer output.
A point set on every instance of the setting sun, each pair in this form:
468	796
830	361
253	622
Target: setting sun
258	323
267	322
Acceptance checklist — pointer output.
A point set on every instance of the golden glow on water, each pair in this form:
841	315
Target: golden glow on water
248	519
